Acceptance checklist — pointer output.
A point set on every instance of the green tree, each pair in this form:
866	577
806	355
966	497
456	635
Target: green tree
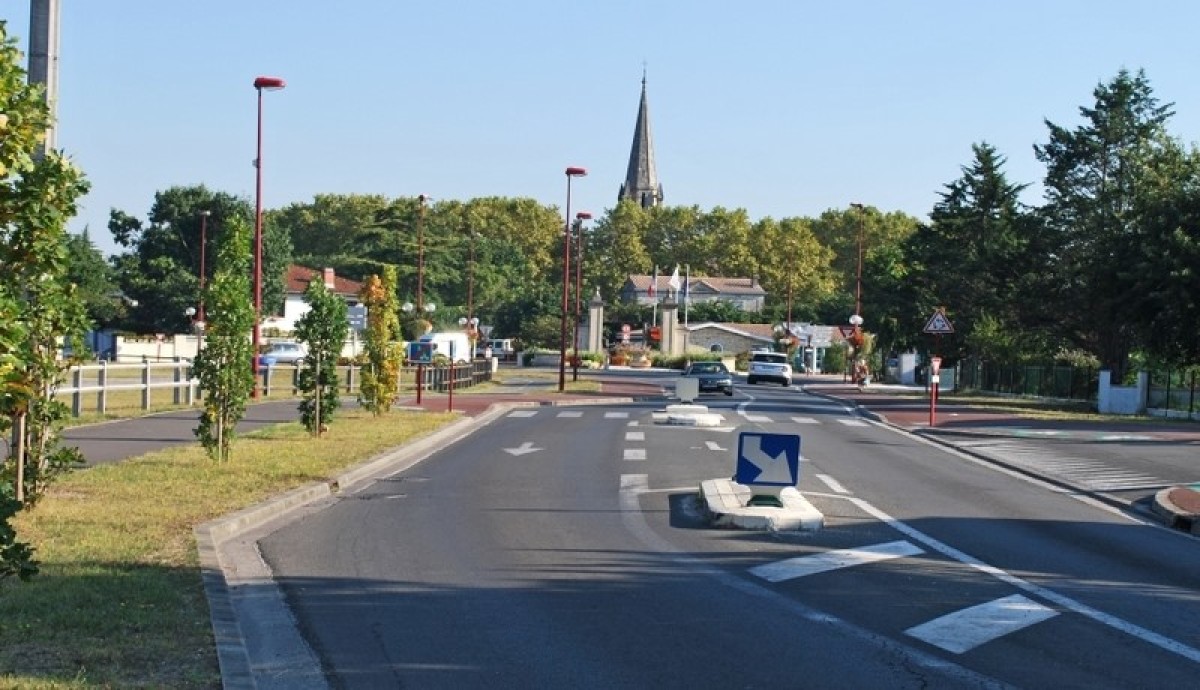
1092	175
973	255
224	363
39	306
95	282
162	269
323	329
381	376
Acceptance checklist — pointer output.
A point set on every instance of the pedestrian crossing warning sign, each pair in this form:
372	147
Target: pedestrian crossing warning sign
938	323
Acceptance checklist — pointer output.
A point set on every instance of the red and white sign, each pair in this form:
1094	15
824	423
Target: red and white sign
936	364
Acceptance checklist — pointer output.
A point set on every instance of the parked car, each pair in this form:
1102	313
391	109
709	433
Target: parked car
714	377
769	366
281	353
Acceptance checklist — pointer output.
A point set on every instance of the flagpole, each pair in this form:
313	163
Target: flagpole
687	289
654	296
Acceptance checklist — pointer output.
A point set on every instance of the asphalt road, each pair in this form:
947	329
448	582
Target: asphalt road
566	547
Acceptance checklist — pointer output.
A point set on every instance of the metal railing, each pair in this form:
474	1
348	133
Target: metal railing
1058	381
1175	392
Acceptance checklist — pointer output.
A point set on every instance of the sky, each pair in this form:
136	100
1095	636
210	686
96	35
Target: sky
780	107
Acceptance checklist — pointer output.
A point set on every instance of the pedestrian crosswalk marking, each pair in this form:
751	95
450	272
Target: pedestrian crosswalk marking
804	420
570	414
833	560
616	415
1092	475
968	628
757	419
635	454
852	422
635	436
522	413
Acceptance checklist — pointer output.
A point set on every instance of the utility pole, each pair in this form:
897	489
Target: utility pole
43	61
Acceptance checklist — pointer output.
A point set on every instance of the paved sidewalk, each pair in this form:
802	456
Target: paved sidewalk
907	408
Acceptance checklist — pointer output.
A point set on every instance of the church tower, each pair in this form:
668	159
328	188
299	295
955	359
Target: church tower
641	179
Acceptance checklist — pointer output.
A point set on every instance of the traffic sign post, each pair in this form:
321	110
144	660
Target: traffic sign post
935	366
767	463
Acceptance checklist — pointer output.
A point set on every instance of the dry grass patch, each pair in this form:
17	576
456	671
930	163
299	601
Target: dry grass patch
119	602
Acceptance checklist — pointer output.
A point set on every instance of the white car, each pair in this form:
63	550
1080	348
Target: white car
281	353
769	366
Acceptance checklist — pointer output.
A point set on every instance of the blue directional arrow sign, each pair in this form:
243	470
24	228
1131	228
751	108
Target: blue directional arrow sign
767	459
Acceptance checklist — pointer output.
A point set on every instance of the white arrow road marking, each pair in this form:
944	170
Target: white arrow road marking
526	447
964	630
713	445
772	470
833	560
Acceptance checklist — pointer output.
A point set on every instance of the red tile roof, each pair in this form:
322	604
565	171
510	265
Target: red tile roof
298	278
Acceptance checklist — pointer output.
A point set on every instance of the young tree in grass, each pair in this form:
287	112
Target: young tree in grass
323	329
223	365
40	307
381	375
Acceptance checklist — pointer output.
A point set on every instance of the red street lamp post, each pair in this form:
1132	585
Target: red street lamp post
260	84
562	342
421	200
856	320
579	218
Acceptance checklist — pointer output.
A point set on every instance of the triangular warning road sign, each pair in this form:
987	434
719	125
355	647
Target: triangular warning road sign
938	323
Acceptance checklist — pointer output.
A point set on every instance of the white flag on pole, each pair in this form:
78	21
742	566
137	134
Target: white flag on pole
674	281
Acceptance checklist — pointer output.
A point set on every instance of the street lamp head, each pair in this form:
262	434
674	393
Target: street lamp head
857	206
856	320
269	83
205	214
430	307
407	307
576	172
583	215
474	321
189	312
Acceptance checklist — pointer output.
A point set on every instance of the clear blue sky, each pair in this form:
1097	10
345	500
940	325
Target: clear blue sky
780	107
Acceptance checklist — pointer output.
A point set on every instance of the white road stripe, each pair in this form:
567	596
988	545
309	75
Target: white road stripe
833	560
1060	600
616	415
852	422
757	418
713	445
635	436
804	420
571	414
832	483
964	630
522	413
635	453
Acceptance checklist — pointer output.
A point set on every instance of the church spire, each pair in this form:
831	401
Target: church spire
641	179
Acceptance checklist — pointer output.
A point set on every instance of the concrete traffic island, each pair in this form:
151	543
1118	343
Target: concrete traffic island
688	415
730	504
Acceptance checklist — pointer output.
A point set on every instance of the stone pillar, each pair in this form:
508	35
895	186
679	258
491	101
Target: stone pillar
595	327
671	344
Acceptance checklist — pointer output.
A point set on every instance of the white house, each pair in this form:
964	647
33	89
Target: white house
294	306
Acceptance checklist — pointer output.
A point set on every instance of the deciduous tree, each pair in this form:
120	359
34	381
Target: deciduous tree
323	330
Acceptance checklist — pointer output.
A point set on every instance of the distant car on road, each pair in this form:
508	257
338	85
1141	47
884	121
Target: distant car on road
769	366
714	377
281	353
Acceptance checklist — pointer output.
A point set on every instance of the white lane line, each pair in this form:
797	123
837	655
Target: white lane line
633	486
852	422
616	415
805	420
833	484
1060	600
522	413
833	560
713	445
570	414
965	630
635	436
635	453
757	418
634	423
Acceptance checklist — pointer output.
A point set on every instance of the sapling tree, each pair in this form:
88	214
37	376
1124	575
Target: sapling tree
323	330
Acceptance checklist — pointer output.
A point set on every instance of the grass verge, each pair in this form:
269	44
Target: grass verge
119	602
